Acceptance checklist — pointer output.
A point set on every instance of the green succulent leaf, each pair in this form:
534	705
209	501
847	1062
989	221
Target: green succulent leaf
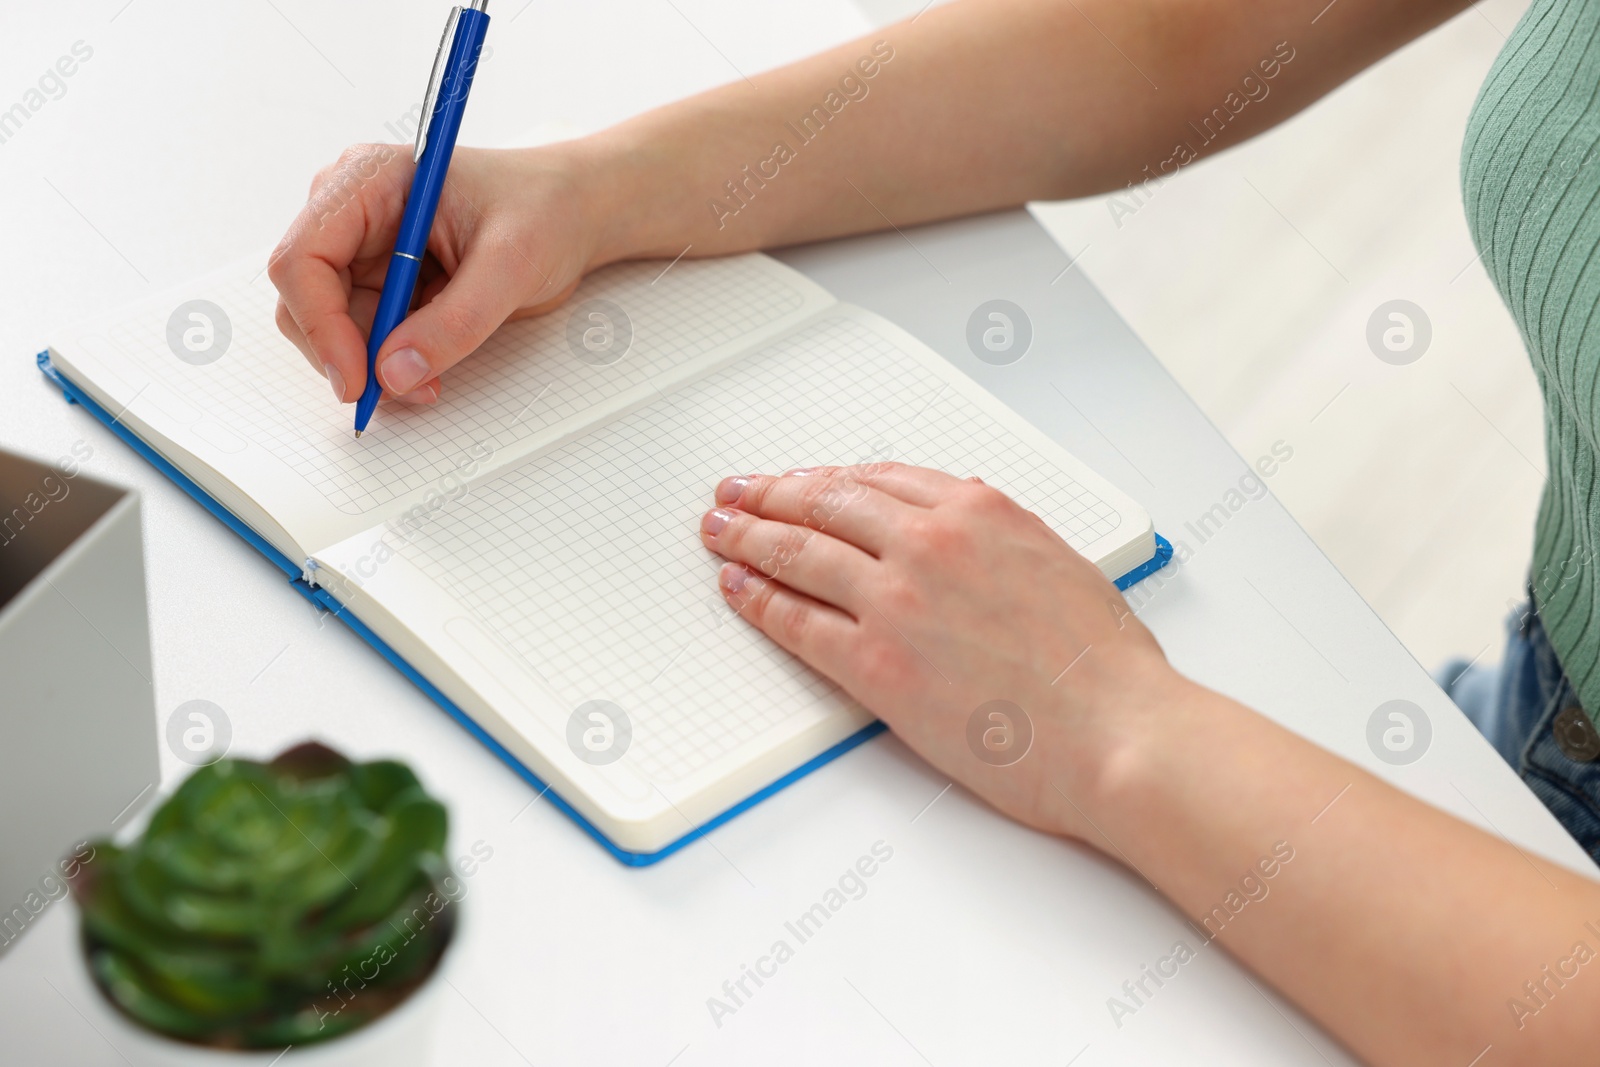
415	826
216	985
168	903
275	903
132	990
381	781
403	940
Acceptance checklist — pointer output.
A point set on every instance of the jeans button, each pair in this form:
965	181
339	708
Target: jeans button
1576	736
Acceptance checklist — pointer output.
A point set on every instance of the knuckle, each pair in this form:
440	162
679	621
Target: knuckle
347	178
902	597
812	495
878	472
357	153
278	262
984	499
786	548
734	536
317	335
756	493
933	538
822	497
999	505
788	621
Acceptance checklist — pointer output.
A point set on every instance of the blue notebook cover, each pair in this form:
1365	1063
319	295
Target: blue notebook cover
319	596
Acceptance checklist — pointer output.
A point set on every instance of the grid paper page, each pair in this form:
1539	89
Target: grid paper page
523	379
585	562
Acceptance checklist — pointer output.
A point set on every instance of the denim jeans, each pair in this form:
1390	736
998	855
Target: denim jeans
1528	711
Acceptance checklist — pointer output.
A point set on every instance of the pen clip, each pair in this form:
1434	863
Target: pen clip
431	99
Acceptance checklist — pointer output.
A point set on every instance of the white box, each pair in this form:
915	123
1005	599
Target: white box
77	705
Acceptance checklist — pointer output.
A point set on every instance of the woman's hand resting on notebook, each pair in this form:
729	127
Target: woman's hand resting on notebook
511	239
926	597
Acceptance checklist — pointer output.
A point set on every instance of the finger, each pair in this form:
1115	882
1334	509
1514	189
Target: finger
484	290
363	309
817	633
827	499
363	304
922	486
330	372
423	395
291	330
321	310
343	229
813	563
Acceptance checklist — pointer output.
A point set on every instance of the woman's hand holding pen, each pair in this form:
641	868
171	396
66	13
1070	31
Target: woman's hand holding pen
511	239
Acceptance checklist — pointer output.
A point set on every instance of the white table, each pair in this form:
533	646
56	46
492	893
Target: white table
978	942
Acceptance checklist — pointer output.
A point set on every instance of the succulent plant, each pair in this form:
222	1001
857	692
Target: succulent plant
271	904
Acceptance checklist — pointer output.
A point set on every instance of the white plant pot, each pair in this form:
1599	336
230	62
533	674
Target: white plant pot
402	1038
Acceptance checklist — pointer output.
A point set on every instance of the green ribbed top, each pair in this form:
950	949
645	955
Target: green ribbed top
1530	180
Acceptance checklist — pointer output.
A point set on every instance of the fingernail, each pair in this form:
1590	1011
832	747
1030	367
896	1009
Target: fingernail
715	520
736	579
730	489
425	394
404	370
336	380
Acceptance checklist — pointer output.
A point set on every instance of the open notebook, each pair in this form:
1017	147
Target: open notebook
529	545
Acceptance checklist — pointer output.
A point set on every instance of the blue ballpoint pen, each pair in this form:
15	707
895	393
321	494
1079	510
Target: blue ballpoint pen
442	108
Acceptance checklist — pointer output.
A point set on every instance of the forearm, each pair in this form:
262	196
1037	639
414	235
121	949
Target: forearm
974	106
1406	932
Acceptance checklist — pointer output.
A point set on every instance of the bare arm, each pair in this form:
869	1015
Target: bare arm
980	105
977	105
1404	931
1407	933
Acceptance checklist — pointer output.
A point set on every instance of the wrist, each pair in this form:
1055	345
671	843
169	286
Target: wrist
1109	731
622	183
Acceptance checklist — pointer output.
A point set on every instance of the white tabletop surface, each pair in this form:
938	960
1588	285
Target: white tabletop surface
979	941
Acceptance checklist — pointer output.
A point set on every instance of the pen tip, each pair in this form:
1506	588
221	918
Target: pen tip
358	433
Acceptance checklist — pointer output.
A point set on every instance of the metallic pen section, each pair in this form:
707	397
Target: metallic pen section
408	255
479	5
430	99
